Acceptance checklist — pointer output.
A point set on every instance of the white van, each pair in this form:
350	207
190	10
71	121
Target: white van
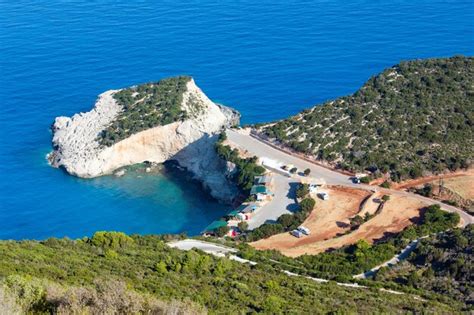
296	233
304	230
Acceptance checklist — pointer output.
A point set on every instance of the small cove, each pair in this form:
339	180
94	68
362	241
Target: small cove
266	61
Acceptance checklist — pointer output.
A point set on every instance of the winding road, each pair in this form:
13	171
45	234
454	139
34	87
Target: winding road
404	253
283	204
222	251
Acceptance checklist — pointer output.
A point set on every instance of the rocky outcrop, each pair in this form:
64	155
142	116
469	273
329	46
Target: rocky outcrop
189	142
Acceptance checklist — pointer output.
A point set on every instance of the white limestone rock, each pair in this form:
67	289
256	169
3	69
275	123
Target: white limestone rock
189	142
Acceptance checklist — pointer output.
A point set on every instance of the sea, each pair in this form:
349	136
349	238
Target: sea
267	59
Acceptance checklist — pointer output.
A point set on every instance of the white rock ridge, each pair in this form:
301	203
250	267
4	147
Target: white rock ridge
189	142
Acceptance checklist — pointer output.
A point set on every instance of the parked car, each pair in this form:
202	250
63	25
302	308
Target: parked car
324	196
304	230
296	233
356	180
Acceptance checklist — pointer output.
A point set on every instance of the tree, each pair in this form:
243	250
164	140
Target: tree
426	191
356	221
307	172
368	216
222	231
161	267
302	191
386	198
293	170
385	184
307	204
286	220
365	180
243	226
222	137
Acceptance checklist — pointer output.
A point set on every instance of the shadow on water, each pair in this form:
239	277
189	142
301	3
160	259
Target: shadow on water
178	175
162	199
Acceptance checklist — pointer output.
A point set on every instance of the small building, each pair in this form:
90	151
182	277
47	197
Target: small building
242	216
233	214
265	180
249	208
260	192
259	189
211	228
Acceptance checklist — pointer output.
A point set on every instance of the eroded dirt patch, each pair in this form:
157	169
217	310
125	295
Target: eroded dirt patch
328	219
398	213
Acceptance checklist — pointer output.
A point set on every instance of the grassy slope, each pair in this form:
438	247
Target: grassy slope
147	265
412	118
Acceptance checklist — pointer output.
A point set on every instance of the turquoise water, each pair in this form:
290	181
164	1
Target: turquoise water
267	60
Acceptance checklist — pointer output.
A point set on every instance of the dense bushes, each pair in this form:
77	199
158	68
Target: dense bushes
426	190
27	295
343	263
395	123
247	168
149	277
110	239
146	106
442	264
307	205
302	190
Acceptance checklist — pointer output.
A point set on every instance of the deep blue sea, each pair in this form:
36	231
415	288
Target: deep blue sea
267	59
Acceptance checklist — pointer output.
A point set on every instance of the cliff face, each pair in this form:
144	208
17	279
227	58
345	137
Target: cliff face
190	142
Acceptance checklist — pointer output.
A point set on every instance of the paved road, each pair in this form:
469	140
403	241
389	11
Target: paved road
393	261
210	248
263	150
221	250
283	202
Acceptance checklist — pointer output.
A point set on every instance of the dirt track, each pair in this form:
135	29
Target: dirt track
328	219
464	186
398	213
424	180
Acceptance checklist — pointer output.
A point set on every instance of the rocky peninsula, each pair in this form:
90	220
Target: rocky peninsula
156	122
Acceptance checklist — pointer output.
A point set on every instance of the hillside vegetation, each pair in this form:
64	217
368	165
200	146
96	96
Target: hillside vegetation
414	118
342	263
146	106
125	274
245	168
443	264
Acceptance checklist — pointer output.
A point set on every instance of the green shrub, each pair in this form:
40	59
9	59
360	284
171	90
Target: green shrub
247	168
147	271
222	231
243	226
383	126
112	240
146	106
385	184
302	190
307	204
